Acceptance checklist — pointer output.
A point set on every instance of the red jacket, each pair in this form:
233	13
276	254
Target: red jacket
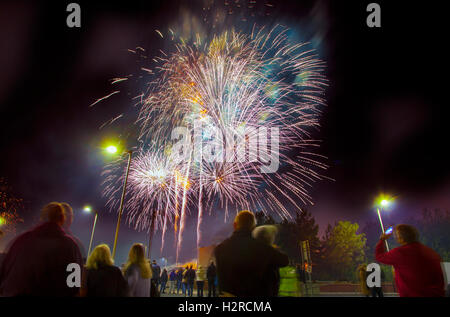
418	271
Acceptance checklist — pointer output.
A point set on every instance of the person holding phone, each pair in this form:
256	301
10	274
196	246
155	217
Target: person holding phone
418	271
389	230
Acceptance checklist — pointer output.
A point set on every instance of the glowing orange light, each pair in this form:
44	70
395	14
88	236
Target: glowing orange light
183	181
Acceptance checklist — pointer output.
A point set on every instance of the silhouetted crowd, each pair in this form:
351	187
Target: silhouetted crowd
246	264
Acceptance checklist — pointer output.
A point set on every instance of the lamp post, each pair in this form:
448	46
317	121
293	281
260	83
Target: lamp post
113	149
383	203
89	210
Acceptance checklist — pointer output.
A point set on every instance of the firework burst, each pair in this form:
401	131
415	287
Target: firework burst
152	187
236	82
238	87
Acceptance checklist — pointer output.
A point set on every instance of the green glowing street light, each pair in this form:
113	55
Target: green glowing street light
112	149
2	221
383	201
89	209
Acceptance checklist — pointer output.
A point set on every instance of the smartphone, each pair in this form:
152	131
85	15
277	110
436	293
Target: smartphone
389	230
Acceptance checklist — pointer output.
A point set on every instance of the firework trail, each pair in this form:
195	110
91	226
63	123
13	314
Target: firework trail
166	216
183	210
177	216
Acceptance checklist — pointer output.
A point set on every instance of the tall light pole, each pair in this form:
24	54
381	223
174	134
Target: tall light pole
382	203
112	149
89	210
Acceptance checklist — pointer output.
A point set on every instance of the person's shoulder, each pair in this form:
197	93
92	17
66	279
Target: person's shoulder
222	244
413	247
113	268
430	251
74	238
69	240
132	268
275	254
257	244
116	270
271	250
22	238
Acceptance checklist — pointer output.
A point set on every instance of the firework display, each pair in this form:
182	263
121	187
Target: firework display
248	105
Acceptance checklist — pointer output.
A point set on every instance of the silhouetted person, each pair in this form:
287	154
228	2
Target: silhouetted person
172	281
185	280
266	234
68	211
164	278
179	279
243	262
103	279
36	263
211	274
418	271
138	273
67	223
190	276
156	272
200	279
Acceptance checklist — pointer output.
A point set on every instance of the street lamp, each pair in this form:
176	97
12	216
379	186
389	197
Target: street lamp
111	149
383	202
88	209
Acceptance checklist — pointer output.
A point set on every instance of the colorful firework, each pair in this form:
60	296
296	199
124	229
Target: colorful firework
239	87
153	182
235	82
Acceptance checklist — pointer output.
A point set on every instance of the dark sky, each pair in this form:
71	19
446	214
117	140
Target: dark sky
384	129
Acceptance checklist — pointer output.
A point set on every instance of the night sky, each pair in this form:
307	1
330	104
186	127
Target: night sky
384	130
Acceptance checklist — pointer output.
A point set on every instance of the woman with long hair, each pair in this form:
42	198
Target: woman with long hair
138	272
103	279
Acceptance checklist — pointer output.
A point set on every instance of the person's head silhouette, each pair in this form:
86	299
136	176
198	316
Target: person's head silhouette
244	221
